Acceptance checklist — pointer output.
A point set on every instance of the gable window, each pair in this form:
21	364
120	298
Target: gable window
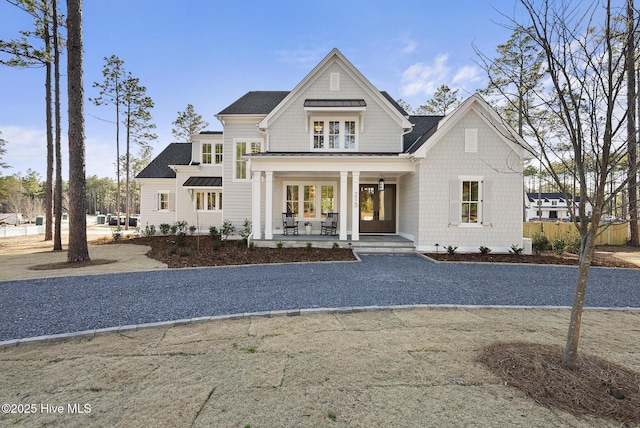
243	147
334	134
303	199
208	200
206	153
470	201
218	153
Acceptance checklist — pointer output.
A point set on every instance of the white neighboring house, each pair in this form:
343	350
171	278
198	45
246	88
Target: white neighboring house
552	206
337	144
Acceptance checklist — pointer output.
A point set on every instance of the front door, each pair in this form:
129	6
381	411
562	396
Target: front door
377	209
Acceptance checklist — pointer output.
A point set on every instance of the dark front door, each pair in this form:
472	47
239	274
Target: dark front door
377	209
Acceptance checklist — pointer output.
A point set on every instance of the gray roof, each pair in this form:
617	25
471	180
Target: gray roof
423	128
256	102
335	103
533	196
174	154
196	181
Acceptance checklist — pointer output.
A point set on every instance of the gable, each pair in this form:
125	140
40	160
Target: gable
477	107
335	78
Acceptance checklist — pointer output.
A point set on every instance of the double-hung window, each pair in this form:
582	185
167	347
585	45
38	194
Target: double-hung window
218	154
243	147
333	134
206	153
470	201
163	201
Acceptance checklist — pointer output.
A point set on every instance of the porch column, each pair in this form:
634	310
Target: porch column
343	205
355	203
268	215
255	205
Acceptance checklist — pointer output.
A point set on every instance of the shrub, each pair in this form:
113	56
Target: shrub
309	245
149	230
179	229
216	245
213	231
335	246
173	250
279	245
484	250
573	244
515	250
451	250
558	244
192	230
184	252
252	245
540	243
164	228
246	229
240	243
227	229
116	233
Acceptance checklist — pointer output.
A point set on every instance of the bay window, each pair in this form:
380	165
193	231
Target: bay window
208	200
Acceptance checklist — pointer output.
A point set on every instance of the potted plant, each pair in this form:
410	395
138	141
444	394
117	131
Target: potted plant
307	227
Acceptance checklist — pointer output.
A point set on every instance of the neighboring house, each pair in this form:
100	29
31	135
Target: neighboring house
337	144
552	206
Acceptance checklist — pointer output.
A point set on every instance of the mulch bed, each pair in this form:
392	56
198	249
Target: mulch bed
211	252
595	387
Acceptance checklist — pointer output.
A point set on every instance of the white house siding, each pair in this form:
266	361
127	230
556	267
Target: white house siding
237	202
408	205
288	131
494	161
149	190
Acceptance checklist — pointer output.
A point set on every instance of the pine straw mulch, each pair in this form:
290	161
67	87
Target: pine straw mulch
595	387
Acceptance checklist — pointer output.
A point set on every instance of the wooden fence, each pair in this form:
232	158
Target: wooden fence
609	233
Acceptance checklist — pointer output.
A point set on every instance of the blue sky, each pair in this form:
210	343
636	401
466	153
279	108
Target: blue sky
209	53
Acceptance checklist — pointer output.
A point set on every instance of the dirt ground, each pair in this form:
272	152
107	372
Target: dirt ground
387	368
413	367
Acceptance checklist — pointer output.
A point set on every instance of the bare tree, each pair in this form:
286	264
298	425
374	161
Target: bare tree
632	149
585	97
78	248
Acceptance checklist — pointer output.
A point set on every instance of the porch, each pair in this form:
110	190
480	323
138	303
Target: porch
367	244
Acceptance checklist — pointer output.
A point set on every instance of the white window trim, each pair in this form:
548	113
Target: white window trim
216	154
248	141
335	118
216	191
318	200
162	192
202	153
480	179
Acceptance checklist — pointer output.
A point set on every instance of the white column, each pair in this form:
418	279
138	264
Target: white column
255	205
355	204
268	215
343	205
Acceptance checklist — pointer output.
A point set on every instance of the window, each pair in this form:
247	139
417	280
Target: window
218	158
208	201
206	153
163	201
470	201
303	199
334	134
242	148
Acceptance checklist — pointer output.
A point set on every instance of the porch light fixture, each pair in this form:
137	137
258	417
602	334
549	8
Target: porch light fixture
381	184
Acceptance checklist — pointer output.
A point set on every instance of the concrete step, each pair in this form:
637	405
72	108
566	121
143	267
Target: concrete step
396	248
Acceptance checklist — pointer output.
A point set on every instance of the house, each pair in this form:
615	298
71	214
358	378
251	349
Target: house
335	143
552	206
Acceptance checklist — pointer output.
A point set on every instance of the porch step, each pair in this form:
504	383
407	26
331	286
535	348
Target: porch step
394	248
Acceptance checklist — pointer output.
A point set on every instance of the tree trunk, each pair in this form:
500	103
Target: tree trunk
573	336
48	200
126	203
632	150
57	238
78	248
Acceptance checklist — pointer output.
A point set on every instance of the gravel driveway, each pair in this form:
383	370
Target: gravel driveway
59	305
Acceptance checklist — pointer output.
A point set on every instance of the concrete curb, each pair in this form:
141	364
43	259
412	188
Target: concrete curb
273	314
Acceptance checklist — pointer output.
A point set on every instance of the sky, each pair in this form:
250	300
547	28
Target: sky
210	53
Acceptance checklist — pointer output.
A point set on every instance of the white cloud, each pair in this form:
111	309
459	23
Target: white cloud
26	149
421	78
409	47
